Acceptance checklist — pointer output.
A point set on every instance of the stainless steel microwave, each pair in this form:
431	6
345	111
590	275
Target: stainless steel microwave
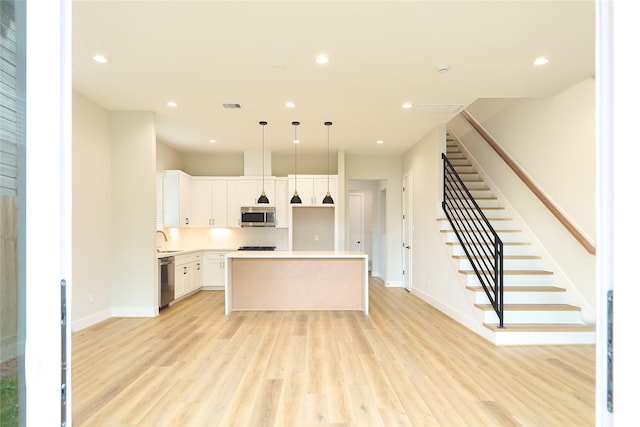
257	216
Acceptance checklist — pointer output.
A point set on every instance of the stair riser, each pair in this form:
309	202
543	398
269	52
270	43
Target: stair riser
517	280
480	297
450	236
483	203
462	167
508	264
534	317
489	213
497	224
544	338
508	249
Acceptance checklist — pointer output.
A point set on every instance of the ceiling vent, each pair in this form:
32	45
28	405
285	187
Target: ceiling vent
231	105
436	108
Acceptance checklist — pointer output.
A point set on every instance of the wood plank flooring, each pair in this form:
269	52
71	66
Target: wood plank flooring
404	364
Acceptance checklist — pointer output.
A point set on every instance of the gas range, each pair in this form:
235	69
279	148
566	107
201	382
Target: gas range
257	248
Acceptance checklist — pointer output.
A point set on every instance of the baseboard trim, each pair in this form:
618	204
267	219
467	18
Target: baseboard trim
90	320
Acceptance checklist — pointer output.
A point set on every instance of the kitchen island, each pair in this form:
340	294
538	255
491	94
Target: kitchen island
296	280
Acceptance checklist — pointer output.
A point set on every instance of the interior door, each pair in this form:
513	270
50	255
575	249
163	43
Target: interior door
356	222
407	230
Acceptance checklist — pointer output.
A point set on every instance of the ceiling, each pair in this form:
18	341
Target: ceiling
203	54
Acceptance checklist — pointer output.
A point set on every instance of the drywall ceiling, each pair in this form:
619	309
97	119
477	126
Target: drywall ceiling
203	54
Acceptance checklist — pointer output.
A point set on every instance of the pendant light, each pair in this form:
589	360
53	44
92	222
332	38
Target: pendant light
263	197
328	200
295	198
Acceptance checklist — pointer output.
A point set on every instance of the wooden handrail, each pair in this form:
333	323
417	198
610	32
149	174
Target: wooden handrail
525	179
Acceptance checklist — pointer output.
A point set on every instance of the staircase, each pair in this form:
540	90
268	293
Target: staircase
535	310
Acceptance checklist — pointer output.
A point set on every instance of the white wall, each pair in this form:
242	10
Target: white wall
553	140
91	211
133	177
113	228
389	170
434	276
167	158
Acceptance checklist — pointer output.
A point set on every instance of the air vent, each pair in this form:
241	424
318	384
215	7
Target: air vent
231	105
436	108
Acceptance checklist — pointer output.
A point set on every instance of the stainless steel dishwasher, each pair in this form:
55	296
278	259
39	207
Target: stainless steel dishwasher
167	278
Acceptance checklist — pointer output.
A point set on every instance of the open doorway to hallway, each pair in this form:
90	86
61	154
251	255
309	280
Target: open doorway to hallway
366	228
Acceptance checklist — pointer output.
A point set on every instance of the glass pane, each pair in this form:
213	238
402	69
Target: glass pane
12	212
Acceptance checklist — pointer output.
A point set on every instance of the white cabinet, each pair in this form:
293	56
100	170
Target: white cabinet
245	191
209	208
214	269
313	188
188	274
282	202
177	199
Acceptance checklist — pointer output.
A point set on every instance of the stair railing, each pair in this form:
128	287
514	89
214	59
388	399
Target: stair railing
480	242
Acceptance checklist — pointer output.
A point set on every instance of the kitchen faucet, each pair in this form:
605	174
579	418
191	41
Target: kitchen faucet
163	235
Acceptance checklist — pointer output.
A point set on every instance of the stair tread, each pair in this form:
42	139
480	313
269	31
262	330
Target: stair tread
490	219
512	272
543	327
522	289
511	257
531	307
503	243
480	231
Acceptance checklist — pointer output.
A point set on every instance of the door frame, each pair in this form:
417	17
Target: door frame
407	230
360	196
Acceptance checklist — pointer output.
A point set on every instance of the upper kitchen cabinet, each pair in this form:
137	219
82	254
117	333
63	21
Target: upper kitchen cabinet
313	188
282	202
245	191
209	208
177	199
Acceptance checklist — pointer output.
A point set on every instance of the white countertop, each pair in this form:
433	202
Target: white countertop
296	254
163	253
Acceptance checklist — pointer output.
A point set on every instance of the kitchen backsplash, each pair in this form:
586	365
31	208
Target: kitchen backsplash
223	238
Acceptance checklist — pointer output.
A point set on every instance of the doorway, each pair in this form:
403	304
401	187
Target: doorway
407	230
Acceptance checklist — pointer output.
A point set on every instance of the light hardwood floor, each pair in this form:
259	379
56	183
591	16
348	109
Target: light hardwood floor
404	364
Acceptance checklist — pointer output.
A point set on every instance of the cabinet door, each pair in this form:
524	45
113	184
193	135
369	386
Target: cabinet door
196	278
201	202
282	203
320	189
181	280
219	211
177	199
234	202
305	189
214	270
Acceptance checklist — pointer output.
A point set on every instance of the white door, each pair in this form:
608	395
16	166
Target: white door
356	222
407	230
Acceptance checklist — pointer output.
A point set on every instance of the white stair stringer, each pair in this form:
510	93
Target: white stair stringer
535	310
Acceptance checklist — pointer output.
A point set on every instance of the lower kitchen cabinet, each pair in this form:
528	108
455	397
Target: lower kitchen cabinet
188	274
214	269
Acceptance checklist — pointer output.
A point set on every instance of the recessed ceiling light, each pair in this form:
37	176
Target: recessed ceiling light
101	59
541	61
442	68
322	59
379	141
407	105
289	104
171	104
212	141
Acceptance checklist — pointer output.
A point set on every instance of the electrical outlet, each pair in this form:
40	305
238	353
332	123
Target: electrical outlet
90	298
316	237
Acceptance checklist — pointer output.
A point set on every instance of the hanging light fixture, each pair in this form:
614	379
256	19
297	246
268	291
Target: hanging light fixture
263	197
295	198
328	200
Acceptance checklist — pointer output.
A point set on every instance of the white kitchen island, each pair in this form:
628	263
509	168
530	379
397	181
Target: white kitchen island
296	280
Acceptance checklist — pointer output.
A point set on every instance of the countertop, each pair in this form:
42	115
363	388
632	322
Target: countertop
163	253
296	254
